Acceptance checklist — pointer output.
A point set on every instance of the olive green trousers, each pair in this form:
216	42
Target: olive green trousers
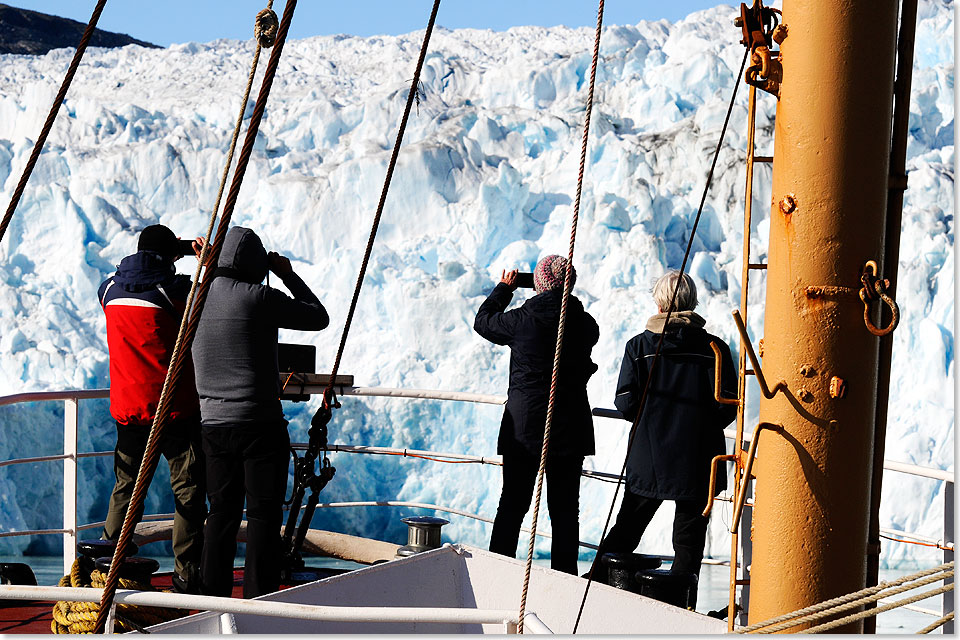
180	445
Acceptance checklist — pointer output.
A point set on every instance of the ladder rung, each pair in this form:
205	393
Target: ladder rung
767	159
749	372
756	265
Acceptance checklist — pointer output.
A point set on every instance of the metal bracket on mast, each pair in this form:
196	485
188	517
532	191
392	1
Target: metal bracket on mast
761	28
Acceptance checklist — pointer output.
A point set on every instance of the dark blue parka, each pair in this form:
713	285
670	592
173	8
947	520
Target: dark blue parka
531	333
681	429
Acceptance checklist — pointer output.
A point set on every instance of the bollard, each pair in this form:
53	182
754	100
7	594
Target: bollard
423	534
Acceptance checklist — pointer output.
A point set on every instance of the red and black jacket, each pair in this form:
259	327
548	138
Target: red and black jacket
144	302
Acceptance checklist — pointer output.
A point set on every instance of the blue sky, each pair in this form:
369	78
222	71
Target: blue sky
172	21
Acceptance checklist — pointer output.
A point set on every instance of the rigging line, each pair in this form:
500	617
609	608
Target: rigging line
411	95
48	124
822	606
656	356
182	347
916	542
567	285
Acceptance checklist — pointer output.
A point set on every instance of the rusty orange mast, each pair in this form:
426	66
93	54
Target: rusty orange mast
830	179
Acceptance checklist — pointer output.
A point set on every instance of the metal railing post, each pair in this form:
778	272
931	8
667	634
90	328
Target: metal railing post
70	415
746	552
947	606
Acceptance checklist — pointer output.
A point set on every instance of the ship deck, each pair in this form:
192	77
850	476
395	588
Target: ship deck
18	617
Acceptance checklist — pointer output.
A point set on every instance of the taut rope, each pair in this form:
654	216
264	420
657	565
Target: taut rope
656	355
563	319
48	124
187	332
411	95
832	607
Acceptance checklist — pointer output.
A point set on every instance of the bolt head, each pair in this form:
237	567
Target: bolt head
779	33
788	204
838	387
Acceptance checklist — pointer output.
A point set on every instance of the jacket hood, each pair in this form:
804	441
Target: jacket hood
678	320
144	270
244	255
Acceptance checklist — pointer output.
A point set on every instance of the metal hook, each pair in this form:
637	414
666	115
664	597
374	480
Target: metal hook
873	288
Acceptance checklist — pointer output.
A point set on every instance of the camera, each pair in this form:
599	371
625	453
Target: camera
524	280
185	247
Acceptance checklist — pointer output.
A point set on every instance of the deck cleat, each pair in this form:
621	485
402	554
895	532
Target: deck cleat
135	568
622	567
97	548
423	534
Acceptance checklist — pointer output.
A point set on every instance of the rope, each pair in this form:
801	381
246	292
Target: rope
936	625
48	124
656	355
185	337
567	285
80	617
872	612
794	618
935	545
383	198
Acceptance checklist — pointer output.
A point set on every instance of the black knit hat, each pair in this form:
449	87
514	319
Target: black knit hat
160	239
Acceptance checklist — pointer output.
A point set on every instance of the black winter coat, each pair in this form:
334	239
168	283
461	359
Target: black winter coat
531	333
681	429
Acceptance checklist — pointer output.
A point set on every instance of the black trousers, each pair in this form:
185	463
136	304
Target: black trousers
249	462
563	503
689	530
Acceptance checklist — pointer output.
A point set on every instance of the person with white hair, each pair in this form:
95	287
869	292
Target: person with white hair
681	427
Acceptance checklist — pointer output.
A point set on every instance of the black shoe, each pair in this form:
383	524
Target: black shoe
190	584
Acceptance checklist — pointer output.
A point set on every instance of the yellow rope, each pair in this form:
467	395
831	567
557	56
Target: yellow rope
81	617
835	605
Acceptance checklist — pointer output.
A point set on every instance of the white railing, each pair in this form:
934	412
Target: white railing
70	457
327	613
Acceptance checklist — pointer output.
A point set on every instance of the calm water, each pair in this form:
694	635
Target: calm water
712	594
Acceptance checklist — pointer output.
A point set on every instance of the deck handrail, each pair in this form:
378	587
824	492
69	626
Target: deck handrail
71	398
326	613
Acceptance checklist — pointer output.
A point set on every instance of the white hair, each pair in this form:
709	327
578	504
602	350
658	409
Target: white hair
686	294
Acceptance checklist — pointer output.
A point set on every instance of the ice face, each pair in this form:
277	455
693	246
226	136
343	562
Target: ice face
485	182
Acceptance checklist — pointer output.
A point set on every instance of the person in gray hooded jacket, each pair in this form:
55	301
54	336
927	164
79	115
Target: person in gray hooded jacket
244	432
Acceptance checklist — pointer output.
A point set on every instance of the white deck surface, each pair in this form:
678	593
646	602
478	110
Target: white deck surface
463	577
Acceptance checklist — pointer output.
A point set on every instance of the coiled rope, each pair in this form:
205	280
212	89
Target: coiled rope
567	285
656	355
198	292
840	604
48	124
80	617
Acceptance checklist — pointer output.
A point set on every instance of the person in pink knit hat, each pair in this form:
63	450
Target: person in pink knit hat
531	333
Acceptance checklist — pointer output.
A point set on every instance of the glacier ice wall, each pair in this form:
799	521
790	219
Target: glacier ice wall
485	181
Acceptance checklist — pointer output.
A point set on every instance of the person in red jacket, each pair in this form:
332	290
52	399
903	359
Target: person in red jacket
143	303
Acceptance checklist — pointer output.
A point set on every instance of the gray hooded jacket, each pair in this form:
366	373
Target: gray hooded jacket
235	349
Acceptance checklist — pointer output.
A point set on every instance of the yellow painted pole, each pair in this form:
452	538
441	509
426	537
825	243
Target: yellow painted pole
830	173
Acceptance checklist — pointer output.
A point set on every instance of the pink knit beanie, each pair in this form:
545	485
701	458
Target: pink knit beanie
550	273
